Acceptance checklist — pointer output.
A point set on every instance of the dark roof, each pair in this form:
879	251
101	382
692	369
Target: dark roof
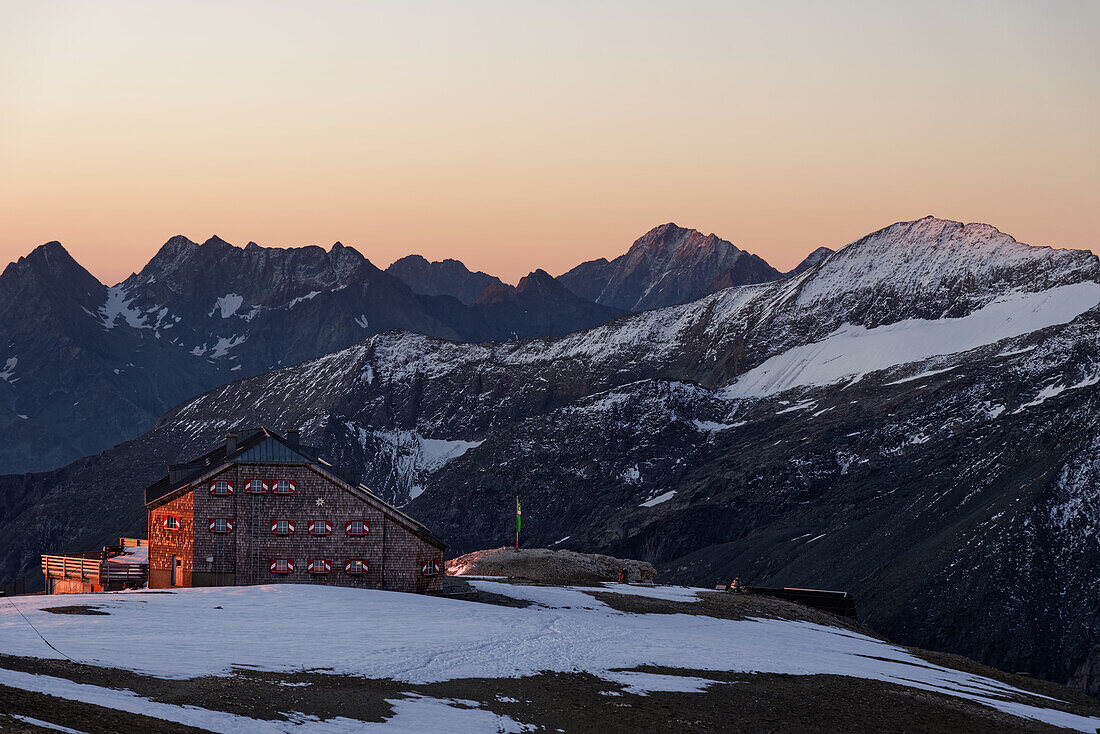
264	445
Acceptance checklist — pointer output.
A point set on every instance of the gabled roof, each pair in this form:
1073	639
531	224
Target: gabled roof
263	446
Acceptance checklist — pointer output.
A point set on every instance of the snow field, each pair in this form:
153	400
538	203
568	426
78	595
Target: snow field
423	639
854	351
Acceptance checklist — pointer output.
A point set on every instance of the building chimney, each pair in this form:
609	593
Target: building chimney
293	438
230	443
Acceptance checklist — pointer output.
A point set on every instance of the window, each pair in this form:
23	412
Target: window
319	566
171	522
282	527
221	487
221	525
320	527
284	486
282	565
355	567
357	527
430	568
255	486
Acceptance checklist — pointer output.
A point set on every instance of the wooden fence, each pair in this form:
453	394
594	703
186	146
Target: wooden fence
90	566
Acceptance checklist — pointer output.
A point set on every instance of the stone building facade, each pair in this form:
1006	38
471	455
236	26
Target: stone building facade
267	510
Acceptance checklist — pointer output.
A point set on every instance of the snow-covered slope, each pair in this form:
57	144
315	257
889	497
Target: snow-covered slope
422	639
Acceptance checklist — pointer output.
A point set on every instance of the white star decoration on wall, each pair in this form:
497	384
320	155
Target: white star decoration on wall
320	501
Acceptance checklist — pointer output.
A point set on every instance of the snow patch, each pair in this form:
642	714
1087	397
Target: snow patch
1054	390
713	426
9	367
854	351
922	375
229	303
663	497
118	304
306	297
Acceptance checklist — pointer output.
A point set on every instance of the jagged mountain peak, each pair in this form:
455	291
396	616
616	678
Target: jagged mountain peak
51	265
667	265
215	241
540	279
671	241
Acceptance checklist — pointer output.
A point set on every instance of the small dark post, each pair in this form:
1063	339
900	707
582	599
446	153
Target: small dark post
230	443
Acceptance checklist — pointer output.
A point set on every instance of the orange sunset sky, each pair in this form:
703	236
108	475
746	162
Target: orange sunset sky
516	135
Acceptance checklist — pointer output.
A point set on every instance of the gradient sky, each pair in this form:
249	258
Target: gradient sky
517	135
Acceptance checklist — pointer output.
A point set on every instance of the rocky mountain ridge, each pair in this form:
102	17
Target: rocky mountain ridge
442	278
858	425
86	366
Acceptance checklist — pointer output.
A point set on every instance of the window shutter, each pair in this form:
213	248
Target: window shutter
290	525
274	563
347	566
229	526
347	527
164	522
290	566
312	526
229	487
213	487
263	486
290	482
275	526
328	527
213	524
328	566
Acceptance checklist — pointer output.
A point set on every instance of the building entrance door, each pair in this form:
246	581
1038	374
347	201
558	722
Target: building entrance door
175	572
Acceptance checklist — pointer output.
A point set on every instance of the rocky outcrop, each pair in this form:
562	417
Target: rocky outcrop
543	564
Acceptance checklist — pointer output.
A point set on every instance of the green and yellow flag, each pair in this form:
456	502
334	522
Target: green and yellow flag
519	513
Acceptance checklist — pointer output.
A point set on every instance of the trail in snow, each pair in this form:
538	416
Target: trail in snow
260	627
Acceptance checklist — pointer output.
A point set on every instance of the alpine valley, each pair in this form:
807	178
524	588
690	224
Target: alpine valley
912	418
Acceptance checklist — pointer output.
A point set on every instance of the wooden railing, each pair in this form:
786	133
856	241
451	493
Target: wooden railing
81	566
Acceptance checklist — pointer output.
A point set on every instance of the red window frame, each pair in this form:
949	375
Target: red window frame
228	525
352	570
289	568
319	566
284	486
275	527
214	487
430	568
325	529
365	530
171	523
251	484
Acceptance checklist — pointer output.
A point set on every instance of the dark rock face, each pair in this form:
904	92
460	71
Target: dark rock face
954	491
72	380
442	278
538	304
91	366
666	266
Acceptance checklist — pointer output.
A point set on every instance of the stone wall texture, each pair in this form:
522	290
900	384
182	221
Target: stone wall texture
394	551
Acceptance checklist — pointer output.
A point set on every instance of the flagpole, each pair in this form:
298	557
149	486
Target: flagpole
517	522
